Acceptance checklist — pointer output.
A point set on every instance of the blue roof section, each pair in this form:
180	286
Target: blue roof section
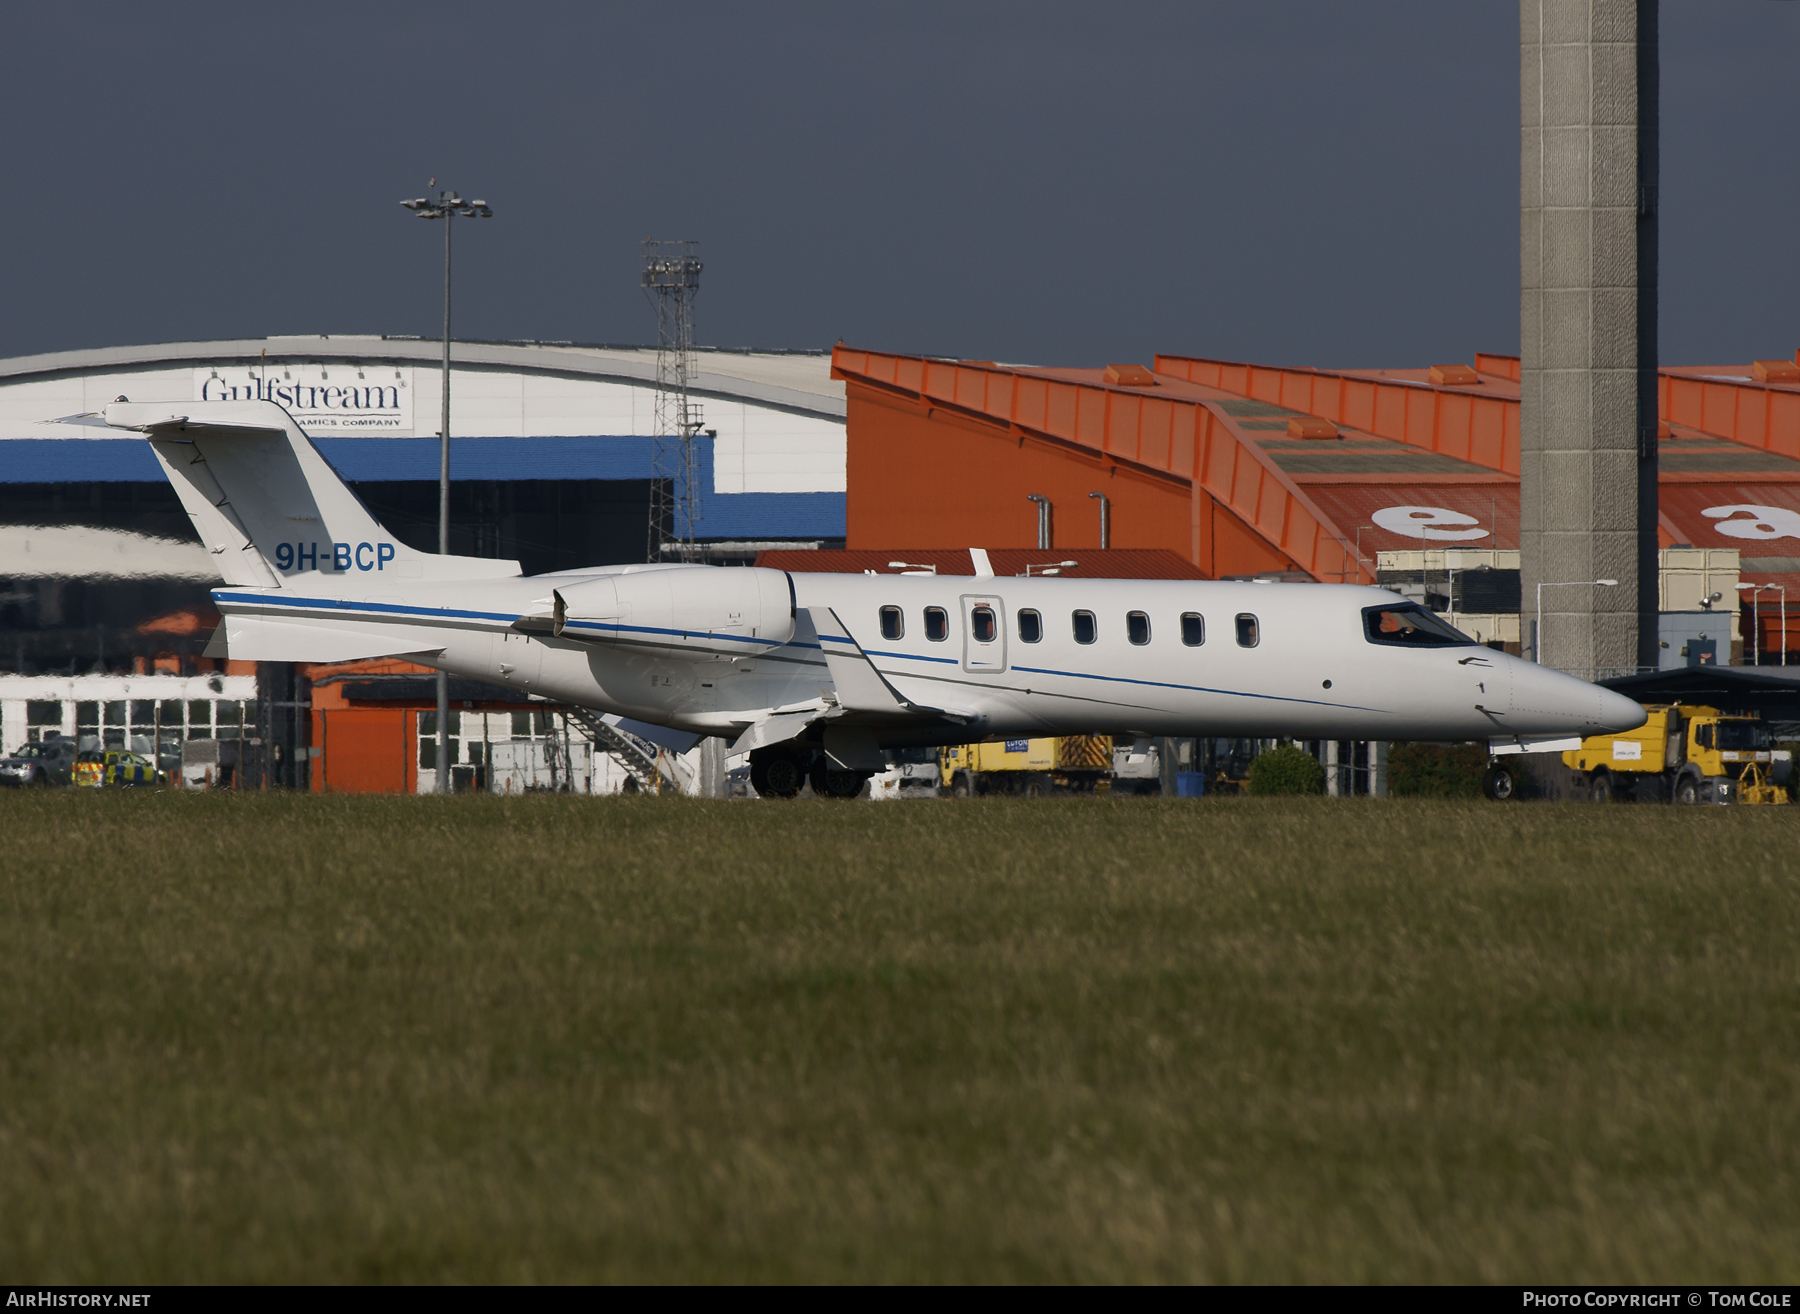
361	460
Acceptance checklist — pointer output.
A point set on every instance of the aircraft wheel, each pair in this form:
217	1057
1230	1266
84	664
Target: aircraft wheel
759	776
784	773
1498	784
832	782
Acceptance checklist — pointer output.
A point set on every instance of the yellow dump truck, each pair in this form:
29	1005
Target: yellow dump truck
1683	753
1073	763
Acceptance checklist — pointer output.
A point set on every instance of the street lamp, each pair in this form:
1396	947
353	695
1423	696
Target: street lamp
1537	630
1043	506
1105	520
447	206
913	567
1051	568
1756	622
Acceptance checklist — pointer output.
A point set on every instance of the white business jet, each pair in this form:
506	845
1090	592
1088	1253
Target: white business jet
814	674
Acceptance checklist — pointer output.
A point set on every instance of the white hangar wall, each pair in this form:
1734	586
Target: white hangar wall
786	440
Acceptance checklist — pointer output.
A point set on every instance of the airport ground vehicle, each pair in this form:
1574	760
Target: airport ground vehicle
1137	767
1226	763
115	766
911	773
1685	754
1077	764
50	761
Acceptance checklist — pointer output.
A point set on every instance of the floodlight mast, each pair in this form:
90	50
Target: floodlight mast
447	206
671	281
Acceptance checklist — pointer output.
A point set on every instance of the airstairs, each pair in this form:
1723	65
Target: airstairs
648	765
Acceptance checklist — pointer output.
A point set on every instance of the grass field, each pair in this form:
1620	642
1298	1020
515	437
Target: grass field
269	1038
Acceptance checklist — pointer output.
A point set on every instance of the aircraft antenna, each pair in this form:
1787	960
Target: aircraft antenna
671	281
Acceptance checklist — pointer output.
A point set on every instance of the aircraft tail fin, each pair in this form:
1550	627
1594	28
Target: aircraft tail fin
270	508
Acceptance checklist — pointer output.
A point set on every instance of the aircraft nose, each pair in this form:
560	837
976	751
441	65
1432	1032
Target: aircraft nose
1619	713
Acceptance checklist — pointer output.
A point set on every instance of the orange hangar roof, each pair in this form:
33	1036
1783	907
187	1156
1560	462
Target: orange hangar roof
1089	563
1244	468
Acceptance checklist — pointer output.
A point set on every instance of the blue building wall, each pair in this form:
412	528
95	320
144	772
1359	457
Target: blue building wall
723	515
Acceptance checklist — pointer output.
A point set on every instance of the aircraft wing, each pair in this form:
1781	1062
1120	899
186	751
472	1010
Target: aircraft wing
862	699
861	687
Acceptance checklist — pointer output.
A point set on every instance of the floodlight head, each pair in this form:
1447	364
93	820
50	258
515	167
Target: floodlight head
1608	582
1068	565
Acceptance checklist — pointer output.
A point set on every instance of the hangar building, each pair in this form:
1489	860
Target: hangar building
102	578
1407	477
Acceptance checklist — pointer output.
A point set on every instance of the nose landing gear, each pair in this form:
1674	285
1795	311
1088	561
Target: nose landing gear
1498	783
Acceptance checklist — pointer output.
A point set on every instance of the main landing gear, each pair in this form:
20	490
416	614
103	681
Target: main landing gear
781	770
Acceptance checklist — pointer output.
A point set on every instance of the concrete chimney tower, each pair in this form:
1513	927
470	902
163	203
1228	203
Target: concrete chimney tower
1587	326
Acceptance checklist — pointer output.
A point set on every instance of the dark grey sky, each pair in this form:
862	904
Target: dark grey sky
1320	183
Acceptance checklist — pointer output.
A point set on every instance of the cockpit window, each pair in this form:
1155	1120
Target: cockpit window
1409	625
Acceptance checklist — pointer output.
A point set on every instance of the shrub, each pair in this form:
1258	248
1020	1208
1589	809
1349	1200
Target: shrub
1286	770
1436	770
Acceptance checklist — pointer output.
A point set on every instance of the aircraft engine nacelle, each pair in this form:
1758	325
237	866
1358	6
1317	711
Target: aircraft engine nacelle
698	611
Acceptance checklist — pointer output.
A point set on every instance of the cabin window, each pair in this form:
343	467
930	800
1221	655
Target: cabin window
1409	625
1193	629
1031	627
1084	626
937	624
1248	631
892	624
1137	627
982	624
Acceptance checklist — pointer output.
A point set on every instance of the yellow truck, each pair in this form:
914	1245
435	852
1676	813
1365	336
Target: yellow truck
1683	753
1033	767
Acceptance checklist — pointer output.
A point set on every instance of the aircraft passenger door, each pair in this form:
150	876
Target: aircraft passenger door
984	634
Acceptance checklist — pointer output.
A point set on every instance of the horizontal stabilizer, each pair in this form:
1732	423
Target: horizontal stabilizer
252	639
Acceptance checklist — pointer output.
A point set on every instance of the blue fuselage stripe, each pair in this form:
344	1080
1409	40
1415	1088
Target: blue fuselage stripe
453	613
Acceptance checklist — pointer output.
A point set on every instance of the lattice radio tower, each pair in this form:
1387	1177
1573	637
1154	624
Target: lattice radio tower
671	281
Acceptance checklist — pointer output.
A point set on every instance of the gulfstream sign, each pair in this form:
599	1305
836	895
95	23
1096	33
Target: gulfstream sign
324	399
